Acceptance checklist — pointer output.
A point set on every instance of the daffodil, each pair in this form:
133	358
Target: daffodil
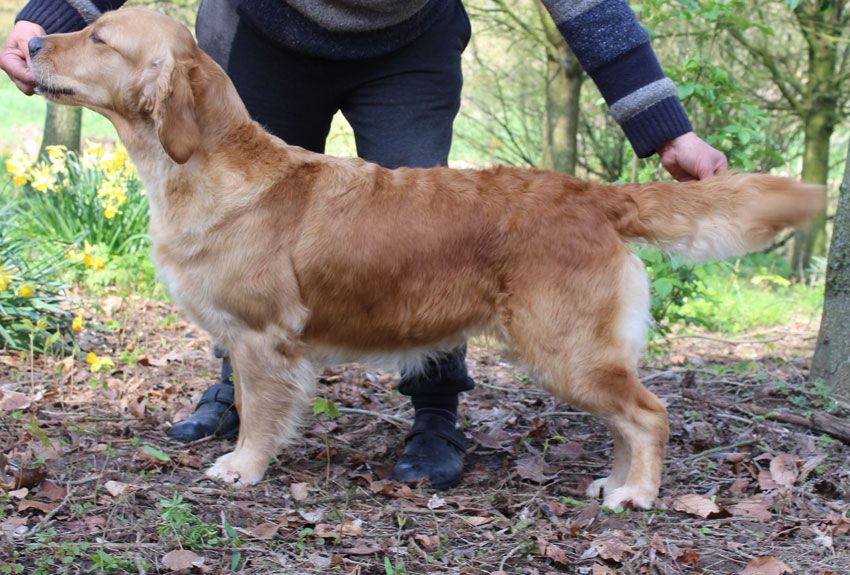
18	166
5	277
25	290
77	324
43	179
90	159
56	155
91	260
98	363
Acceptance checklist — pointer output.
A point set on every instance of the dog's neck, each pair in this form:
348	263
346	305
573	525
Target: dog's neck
228	136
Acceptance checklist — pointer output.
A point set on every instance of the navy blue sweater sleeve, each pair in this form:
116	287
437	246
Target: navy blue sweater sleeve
60	16
615	51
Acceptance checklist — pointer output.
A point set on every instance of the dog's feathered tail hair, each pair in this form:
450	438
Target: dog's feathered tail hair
715	218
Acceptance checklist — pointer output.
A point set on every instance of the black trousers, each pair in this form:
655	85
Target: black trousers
401	107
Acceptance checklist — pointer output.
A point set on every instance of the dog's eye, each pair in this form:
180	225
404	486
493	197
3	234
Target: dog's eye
95	38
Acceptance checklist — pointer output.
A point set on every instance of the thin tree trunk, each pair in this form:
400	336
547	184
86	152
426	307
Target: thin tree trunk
563	96
832	355
62	126
564	77
812	240
819	22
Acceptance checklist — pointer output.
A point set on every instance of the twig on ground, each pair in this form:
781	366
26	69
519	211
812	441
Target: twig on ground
713	450
52	513
819	421
400	421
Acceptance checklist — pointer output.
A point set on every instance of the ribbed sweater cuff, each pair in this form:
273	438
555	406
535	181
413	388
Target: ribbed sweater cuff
655	125
52	15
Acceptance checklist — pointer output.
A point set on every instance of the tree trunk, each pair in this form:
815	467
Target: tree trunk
832	355
62	127
564	77
820	25
563	96
811	241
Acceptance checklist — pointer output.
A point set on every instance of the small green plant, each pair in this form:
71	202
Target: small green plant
672	283
396	568
326	407
184	528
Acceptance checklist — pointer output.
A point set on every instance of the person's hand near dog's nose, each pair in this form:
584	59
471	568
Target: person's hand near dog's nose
14	60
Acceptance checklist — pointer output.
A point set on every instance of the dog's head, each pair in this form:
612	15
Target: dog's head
132	65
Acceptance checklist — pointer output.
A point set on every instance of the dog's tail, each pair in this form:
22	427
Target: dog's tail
715	218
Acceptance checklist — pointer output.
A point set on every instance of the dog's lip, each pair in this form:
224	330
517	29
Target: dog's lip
45	90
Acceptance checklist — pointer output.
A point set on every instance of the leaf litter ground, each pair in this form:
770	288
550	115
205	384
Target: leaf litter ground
91	483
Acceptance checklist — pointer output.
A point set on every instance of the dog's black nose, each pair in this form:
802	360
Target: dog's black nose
35	45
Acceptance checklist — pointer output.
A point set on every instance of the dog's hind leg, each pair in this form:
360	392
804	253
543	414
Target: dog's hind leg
582	338
274	387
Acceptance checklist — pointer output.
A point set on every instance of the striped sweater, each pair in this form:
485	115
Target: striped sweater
605	36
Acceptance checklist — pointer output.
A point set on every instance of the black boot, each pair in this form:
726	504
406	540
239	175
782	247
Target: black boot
434	448
215	413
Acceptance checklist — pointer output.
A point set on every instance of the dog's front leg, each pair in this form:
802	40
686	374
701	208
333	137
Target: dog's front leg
274	387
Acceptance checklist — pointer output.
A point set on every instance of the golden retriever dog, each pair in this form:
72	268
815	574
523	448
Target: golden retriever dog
292	260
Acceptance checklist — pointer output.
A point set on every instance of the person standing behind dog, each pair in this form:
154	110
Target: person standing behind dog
393	67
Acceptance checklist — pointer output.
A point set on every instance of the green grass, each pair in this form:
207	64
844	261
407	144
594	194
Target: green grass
751	294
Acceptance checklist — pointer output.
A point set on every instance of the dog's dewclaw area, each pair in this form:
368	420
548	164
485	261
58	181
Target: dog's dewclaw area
756	478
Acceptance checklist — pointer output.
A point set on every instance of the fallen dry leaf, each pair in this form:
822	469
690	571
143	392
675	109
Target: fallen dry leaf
612	548
739	486
755	507
43	506
766	566
428	542
19	493
347	529
182	559
766	482
51	491
694	504
265	530
436	502
477	521
299	491
783	469
116	488
13	401
553	552
532	468
601	570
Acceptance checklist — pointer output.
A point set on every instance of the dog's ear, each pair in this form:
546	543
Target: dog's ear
171	104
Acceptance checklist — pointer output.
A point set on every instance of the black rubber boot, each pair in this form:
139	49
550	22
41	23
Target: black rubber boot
215	413
434	449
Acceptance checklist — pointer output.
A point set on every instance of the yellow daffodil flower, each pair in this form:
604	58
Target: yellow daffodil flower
57	155
77	324
98	363
43	179
18	166
25	290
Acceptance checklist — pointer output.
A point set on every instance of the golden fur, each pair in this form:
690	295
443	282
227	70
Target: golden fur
291	259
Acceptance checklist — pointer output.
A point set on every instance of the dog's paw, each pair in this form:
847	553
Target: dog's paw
238	469
629	498
601	486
